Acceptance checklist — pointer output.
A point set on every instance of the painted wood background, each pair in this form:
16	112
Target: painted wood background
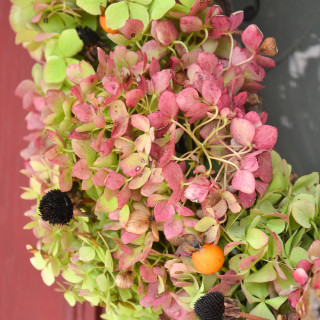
23	295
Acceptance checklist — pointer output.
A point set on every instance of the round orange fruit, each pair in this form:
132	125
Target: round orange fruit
104	26
209	259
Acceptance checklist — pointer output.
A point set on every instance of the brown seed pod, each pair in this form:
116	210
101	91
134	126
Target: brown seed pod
124	280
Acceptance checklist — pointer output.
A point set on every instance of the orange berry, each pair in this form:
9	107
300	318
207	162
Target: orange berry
209	259
104	26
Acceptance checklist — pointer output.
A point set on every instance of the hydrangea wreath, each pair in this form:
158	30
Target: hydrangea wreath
151	139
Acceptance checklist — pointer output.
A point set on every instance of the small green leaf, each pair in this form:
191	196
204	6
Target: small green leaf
102	282
47	275
54	70
261	310
109	261
298	254
236	232
70	276
124	215
117	14
86	253
251	299
306	184
257	238
303	211
70	297
106	206
204	224
265	274
69	43
276	225
37	261
159	8
91	6
137	11
261	291
276	302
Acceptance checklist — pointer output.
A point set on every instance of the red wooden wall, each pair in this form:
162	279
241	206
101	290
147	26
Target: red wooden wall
23	295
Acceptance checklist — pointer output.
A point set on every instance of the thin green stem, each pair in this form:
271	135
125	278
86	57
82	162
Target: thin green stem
231	51
204	39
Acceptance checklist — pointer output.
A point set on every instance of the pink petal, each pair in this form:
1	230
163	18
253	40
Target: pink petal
120	116
294	298
300	276
266	137
265	171
128	237
154	49
304	264
140	122
132	165
184	211
207	61
168	105
247	200
244	181
154	65
186	98
161	81
211	92
114	180
132	28
107	146
99	178
173	227
84	112
189	24
147	274
133	97
252	37
166	32
172	173
254	118
196	192
220	24
236	19
163	211
151	293
249	163
242	131
123	196
265	62
81	170
261	187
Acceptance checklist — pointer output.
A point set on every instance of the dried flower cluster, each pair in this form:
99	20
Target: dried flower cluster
158	141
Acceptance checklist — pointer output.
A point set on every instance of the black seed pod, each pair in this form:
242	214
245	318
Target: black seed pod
56	207
210	306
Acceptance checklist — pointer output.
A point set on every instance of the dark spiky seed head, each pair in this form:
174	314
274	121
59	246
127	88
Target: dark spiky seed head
56	207
210	306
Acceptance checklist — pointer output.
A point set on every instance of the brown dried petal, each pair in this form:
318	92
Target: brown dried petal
269	47
138	222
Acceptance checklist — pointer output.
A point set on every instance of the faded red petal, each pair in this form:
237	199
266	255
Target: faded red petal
172	173
244	181
189	24
84	112
114	180
140	122
132	28
242	131
133	97
252	37
173	227
147	274
265	171
247	199
254	118
168	105
304	264
161	81
300	276
265	137
81	170
211	92
164	31
163	211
